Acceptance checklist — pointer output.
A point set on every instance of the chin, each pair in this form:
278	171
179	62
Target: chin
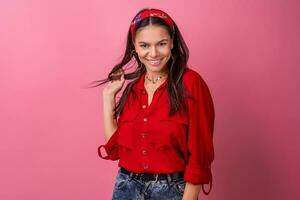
155	69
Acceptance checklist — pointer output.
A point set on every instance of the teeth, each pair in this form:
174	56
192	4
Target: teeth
155	62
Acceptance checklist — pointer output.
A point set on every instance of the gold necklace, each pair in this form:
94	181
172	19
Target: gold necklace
158	78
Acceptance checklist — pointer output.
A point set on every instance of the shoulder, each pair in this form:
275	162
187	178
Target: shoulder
191	77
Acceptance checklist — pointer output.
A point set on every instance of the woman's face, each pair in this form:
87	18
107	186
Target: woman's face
153	45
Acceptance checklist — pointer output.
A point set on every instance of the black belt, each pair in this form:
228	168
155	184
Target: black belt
153	177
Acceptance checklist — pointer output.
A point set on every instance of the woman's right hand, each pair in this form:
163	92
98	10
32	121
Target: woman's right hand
114	86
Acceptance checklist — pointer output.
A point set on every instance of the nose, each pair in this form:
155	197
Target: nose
153	52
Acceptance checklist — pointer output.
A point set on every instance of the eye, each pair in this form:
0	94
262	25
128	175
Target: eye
143	45
163	43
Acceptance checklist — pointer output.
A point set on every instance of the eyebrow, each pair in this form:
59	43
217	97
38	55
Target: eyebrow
157	42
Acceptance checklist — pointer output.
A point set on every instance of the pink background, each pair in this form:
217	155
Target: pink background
51	125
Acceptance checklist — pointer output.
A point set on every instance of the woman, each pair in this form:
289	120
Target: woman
161	129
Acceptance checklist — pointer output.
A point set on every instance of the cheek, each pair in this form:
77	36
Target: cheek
165	49
142	57
165	52
141	53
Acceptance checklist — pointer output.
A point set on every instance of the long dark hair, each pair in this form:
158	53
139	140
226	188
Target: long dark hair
176	67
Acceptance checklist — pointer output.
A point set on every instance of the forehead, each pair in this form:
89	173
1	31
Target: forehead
151	33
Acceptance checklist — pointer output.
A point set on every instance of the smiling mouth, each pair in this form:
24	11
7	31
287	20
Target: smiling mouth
155	62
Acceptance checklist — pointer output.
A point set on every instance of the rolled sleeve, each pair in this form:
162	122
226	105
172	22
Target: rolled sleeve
111	148
197	175
200	135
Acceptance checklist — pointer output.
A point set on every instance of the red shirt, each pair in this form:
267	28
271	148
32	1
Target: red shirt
148	140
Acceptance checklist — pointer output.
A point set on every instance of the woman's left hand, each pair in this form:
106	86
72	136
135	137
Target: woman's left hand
191	191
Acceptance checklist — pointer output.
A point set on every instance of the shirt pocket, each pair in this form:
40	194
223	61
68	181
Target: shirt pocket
171	133
125	128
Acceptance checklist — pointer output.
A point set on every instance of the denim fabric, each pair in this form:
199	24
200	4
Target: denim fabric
129	188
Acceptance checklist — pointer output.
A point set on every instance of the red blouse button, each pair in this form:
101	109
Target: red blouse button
144	152
144	106
143	135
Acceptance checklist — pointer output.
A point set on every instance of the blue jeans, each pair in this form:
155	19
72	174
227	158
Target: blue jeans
129	188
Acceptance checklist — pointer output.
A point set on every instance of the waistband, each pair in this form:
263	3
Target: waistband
153	177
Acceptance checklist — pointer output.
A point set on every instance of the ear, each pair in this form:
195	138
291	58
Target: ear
172	45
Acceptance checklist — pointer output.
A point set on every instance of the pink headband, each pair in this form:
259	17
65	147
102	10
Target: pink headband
152	13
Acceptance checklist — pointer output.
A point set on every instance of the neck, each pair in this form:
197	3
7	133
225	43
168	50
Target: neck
155	75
